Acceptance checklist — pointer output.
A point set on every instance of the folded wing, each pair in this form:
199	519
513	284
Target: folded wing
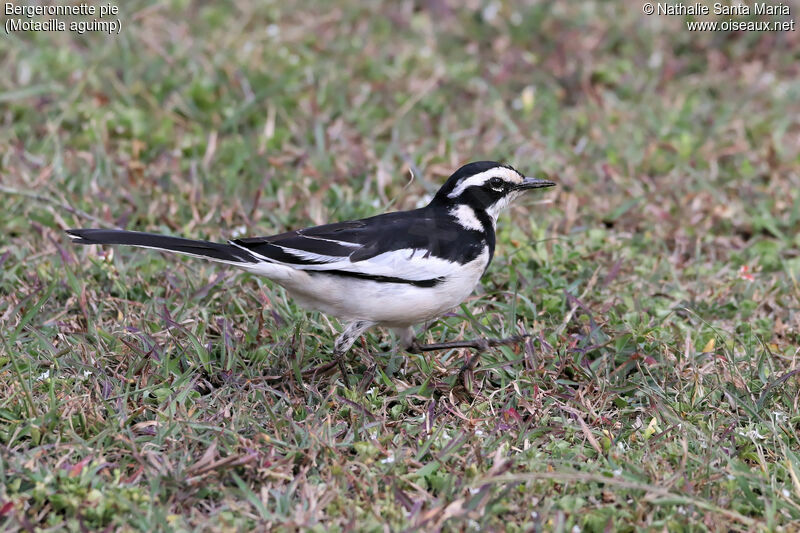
406	247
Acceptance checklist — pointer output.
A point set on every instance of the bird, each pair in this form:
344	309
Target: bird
393	270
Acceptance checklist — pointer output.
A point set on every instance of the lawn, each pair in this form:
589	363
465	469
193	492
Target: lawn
659	389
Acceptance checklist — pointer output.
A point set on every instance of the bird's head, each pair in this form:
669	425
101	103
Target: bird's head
486	186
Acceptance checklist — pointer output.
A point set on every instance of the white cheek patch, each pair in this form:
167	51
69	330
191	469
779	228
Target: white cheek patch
465	216
507	174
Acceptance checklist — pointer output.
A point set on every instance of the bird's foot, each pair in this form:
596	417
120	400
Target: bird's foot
481	345
327	368
342	368
324	368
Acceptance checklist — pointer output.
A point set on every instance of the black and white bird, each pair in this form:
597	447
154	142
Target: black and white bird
393	270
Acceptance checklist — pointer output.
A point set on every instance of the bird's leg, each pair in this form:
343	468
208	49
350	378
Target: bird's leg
477	344
465	373
481	345
405	337
344	341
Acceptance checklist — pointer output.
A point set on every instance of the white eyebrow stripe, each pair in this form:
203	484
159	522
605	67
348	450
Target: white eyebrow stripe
479	179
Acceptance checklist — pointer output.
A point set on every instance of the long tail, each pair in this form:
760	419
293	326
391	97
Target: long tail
225	253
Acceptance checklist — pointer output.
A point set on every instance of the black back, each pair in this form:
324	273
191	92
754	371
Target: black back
427	228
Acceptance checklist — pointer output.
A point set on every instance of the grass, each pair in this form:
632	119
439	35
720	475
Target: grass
660	389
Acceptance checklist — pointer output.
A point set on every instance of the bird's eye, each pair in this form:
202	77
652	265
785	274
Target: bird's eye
497	184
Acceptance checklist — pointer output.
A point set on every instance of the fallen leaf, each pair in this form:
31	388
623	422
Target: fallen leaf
709	347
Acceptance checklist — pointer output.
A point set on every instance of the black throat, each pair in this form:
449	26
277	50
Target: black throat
488	228
486	235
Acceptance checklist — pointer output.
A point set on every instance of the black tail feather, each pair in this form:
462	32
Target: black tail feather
212	250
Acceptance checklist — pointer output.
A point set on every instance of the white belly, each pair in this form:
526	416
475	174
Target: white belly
387	304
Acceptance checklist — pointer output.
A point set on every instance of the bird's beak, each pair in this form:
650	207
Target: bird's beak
534	183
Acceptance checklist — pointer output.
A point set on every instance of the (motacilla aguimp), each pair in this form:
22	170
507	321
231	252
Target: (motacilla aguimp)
393	270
